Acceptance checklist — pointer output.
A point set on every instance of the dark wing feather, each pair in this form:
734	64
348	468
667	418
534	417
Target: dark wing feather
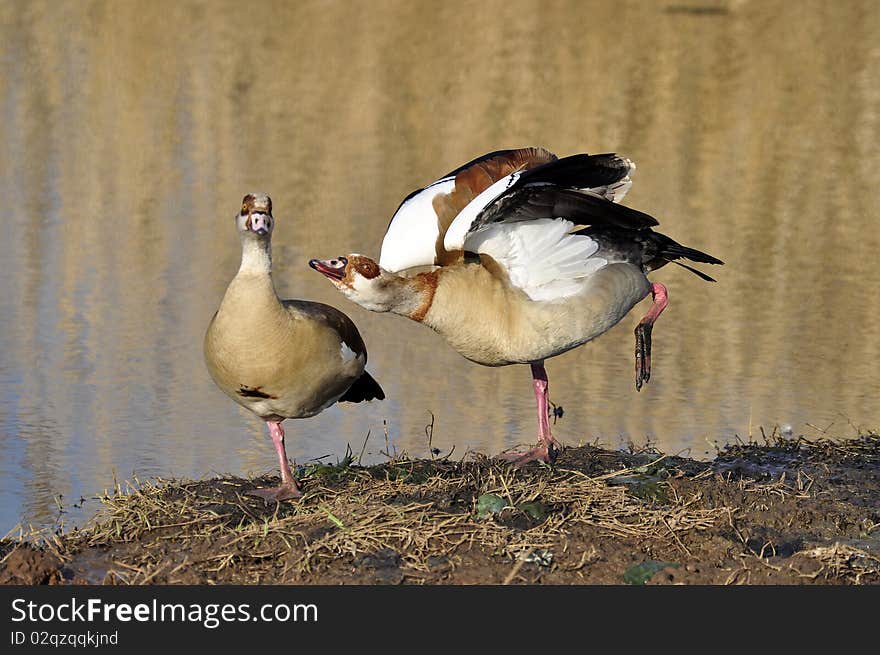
579	172
546	201
572	187
364	388
569	188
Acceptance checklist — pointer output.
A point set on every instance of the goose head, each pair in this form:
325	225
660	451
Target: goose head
361	280
255	218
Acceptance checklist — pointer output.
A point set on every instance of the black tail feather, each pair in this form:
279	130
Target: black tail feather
364	388
699	274
674	250
670	251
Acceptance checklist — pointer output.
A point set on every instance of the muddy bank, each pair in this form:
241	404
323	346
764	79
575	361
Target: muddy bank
782	512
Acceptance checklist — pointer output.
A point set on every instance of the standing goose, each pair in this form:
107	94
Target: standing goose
534	257
281	358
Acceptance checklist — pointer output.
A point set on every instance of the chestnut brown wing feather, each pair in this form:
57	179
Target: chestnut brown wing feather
474	178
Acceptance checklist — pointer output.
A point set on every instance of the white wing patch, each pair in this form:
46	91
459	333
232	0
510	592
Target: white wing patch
347	353
457	233
541	257
615	192
411	236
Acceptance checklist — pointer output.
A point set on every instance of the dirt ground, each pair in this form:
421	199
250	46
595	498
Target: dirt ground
787	511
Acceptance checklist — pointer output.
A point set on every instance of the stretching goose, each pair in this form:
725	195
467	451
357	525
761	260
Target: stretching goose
534	255
281	358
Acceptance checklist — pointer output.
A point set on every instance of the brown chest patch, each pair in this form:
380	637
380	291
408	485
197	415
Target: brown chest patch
424	286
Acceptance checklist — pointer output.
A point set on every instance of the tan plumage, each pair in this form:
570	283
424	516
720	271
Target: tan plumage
281	359
291	351
491	322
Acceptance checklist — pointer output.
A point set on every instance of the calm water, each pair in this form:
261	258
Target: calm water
129	132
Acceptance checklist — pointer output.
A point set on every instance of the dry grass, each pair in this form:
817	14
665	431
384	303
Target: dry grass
758	513
425	511
841	560
861	450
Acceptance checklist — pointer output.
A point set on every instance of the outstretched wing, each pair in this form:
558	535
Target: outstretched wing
525	222
578	188
415	234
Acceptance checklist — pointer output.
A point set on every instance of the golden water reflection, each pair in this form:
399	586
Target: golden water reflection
130	132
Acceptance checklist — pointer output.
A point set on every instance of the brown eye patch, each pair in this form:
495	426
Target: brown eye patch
366	267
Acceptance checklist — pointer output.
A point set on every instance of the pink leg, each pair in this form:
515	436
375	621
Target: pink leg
547	449
288	487
643	334
540	384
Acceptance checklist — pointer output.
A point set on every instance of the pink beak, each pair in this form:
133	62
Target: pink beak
333	268
260	223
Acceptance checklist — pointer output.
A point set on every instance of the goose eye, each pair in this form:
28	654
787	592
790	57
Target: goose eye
244	209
